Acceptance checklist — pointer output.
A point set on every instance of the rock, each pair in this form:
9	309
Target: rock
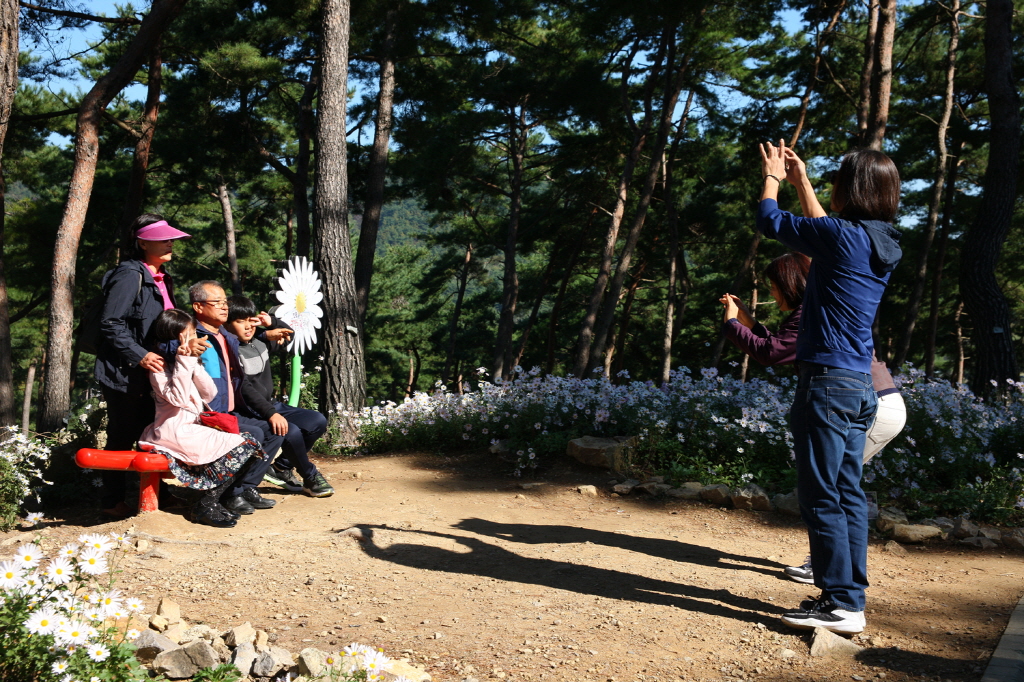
683	493
716	494
174	664
787	504
158	623
222	649
202	654
312	663
654	488
751	497
169	610
381	619
827	643
964	528
588	490
889	517
655	479
271	662
262	641
915	533
1013	538
400	669
979	542
245	656
896	548
993	534
626	487
943	523
197	632
175	631
607	453
151	643
787	653
142	545
242	633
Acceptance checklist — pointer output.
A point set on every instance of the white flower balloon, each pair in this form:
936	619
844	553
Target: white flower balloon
299	296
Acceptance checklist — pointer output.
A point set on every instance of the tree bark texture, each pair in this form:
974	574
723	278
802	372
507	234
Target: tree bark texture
300	180
994	356
230	249
343	382
866	74
26	403
56	393
881	76
140	160
940	261
375	173
938	187
9	40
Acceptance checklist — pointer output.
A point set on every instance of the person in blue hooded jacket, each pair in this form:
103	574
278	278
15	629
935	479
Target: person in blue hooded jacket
852	256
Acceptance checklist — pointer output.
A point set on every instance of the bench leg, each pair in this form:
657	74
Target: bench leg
149	490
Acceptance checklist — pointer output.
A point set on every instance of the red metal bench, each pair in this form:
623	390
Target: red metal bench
150	465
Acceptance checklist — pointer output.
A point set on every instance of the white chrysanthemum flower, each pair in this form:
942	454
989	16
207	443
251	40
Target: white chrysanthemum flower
132	635
93	614
93	562
97	541
34	517
10	575
98	652
28	556
59	666
299	296
31	583
111	602
69	551
75	633
41	622
60	571
375	661
135	605
119	538
355	649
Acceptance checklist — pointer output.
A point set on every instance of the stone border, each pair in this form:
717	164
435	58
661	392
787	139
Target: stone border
1007	662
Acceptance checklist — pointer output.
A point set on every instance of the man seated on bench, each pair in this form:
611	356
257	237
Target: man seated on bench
300	428
220	360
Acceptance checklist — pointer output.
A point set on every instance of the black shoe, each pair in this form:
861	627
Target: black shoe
317	486
257	501
283	478
826	614
211	516
228	512
237	505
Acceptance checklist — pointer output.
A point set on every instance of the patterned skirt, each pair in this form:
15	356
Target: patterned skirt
218	472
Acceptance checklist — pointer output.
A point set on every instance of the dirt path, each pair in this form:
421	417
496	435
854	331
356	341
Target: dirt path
471	576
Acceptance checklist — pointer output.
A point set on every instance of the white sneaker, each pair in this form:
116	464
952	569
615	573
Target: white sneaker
826	614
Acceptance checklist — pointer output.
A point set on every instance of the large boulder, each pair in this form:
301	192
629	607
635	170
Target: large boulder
1014	538
751	497
889	517
607	453
914	534
689	491
150	644
202	654
175	664
716	494
964	528
245	657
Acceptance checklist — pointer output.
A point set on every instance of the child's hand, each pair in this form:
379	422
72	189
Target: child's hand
183	338
279	336
263	319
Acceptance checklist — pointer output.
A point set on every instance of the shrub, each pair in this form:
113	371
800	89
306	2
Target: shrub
22	460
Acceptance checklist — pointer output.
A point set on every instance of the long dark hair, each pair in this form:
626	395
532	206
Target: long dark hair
130	249
867	185
168	327
789	273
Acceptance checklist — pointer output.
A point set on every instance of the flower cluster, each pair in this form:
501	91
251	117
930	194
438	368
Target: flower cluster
60	616
22	461
359	662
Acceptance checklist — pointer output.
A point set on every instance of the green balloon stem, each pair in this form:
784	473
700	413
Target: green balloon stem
293	397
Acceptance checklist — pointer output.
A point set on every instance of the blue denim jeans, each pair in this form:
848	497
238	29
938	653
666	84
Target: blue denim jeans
829	419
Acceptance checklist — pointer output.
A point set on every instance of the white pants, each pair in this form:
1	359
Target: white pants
890	419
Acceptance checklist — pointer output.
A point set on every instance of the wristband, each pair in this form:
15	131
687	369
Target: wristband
774	177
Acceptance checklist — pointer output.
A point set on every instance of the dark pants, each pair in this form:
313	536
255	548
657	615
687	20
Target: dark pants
304	429
831	413
128	415
251	476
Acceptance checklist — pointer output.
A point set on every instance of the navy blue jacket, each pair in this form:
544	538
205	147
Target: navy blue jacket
130	307
850	267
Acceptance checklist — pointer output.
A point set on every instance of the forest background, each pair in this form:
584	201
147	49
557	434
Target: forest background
568	185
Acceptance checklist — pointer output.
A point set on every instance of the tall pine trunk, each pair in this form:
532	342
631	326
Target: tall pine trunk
300	180
501	365
940	261
375	173
57	378
938	186
143	146
8	85
867	71
881	76
994	358
229	235
343	382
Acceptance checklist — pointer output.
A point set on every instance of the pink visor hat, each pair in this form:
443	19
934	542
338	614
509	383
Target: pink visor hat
159	231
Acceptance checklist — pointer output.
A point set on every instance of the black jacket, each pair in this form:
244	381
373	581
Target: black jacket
255	359
131	304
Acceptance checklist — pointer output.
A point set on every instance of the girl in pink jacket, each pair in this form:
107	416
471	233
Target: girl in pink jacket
200	457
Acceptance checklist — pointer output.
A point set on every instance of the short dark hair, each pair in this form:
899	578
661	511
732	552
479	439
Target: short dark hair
171	323
241	307
867	185
130	250
789	273
197	292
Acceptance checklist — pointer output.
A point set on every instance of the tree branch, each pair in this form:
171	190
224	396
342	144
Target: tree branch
26	118
124	21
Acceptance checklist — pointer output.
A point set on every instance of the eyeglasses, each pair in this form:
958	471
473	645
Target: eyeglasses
216	303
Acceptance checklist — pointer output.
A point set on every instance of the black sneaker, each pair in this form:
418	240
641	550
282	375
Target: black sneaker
253	497
317	486
801	574
826	614
283	478
237	505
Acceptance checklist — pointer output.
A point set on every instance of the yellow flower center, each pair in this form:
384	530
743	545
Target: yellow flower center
300	302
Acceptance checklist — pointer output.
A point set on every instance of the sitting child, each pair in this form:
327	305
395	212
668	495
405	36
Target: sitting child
300	428
200	457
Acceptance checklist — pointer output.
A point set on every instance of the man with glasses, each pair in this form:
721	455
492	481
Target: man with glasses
220	360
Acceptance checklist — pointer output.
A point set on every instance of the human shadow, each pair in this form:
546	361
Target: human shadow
488	560
661	548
